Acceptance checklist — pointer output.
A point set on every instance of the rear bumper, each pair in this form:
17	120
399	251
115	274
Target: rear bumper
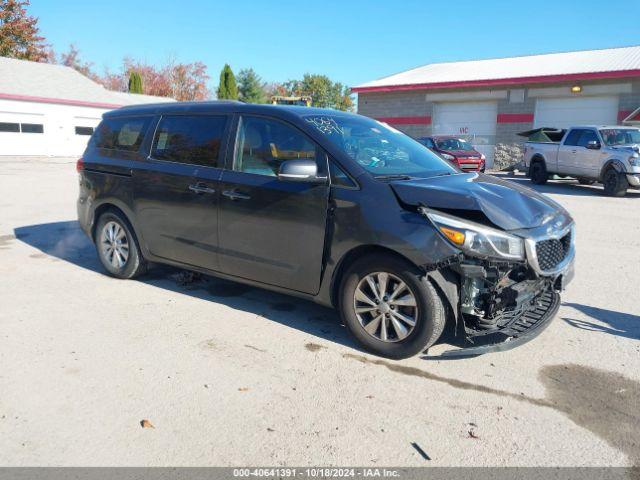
522	329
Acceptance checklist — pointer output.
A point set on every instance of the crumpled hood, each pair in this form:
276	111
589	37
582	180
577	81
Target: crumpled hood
506	204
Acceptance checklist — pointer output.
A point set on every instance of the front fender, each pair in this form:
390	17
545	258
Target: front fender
616	163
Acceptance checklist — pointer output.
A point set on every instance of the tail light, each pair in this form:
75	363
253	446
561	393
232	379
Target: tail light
80	165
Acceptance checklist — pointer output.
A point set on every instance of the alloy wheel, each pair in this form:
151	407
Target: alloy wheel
385	306
114	244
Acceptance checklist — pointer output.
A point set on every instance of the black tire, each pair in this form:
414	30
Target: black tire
585	181
134	264
538	173
430	316
615	183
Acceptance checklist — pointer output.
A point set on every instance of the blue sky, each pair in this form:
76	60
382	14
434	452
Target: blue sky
352	41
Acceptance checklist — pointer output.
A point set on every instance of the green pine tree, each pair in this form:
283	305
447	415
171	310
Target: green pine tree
250	87
227	90
135	82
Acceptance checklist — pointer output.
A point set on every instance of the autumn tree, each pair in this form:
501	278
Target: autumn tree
227	89
19	32
251	89
188	81
72	59
135	82
324	92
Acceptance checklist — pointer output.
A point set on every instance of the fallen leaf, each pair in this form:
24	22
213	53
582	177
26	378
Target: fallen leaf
369	396
243	389
146	424
270	429
472	434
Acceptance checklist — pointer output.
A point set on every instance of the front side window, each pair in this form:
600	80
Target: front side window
263	144
620	136
379	148
586	137
427	142
453	144
573	137
126	133
193	139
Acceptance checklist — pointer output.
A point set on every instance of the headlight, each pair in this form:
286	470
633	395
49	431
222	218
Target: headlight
476	239
446	156
482	157
634	160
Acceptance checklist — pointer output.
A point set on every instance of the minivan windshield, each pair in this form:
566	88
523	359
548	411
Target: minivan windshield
378	148
453	144
620	136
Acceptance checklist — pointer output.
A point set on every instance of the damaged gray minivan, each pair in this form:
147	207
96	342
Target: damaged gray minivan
329	206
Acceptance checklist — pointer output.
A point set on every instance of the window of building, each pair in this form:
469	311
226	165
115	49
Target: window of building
193	139
9	127
126	133
84	130
32	128
263	144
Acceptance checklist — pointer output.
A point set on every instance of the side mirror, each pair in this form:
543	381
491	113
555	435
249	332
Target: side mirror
593	145
300	171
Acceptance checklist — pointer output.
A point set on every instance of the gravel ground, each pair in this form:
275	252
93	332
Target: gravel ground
232	376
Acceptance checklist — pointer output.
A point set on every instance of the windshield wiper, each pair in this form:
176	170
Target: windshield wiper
392	177
443	174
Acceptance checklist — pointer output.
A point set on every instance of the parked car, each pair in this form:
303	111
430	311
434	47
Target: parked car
328	206
456	150
606	154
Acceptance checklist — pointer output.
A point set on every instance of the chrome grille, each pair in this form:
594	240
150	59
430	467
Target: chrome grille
553	251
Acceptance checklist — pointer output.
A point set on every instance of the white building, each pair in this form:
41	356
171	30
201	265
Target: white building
52	110
490	101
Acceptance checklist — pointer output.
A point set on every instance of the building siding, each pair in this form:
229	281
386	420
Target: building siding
513	116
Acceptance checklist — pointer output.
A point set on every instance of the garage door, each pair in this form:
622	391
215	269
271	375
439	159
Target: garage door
566	112
475	121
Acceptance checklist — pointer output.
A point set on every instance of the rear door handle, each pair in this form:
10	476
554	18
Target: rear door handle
235	195
201	188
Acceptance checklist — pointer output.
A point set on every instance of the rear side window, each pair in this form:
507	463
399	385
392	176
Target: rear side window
573	137
193	139
125	133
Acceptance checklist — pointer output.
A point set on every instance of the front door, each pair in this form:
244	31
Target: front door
567	153
588	160
176	189
272	231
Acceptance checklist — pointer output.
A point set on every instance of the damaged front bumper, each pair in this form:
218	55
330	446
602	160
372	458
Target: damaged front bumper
504	305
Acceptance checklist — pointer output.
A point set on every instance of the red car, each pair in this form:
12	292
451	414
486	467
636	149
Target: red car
456	150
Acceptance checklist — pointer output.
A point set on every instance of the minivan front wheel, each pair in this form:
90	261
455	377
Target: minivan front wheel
117	247
390	307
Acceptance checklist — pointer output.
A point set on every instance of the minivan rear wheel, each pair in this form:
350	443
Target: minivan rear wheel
117	246
390	307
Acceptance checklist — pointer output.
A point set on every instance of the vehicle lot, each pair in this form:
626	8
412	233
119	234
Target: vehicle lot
233	375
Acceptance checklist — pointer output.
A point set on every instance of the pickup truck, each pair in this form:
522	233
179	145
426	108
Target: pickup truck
606	154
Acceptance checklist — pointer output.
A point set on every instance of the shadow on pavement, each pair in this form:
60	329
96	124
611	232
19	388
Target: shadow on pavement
563	186
621	324
66	241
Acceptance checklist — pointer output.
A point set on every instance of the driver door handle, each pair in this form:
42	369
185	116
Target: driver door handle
201	188
236	195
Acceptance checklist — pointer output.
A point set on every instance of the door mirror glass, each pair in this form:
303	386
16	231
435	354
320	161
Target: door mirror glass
593	145
299	171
